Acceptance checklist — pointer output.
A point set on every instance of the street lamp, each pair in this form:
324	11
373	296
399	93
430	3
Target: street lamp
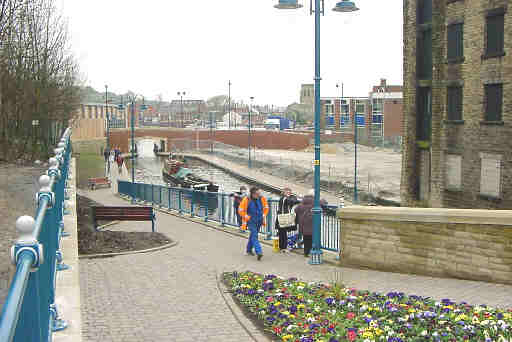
181	94
341	6
250	112
229	103
108	126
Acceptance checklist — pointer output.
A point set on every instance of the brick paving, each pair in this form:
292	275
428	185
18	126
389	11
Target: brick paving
172	295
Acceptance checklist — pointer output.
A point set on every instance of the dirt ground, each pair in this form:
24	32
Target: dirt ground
107	241
18	185
378	168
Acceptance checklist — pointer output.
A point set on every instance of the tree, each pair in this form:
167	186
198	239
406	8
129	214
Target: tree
39	78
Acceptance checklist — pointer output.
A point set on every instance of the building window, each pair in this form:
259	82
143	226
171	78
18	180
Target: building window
424	11
424	114
493	102
490	176
495	26
453	172
455	41
454	103
425	55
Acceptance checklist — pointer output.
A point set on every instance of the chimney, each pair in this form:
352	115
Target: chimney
383	82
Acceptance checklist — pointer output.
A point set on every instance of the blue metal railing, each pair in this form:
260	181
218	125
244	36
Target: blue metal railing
29	312
219	207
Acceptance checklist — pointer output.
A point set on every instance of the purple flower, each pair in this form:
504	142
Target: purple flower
270	320
251	292
329	301
332	339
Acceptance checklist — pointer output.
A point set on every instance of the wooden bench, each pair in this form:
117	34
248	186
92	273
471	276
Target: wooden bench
123	214
95	182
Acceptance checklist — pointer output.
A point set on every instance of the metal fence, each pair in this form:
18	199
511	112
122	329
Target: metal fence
29	312
219	207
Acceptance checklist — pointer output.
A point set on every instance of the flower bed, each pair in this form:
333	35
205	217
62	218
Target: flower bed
295	311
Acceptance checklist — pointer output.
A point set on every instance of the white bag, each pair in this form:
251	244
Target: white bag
286	220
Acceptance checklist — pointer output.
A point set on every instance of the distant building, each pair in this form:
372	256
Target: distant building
307	94
379	116
187	111
457	68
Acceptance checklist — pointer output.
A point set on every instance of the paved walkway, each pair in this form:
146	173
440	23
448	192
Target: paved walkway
172	295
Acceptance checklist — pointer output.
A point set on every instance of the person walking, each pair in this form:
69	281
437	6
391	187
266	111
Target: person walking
120	162
253	210
305	219
285	221
238	197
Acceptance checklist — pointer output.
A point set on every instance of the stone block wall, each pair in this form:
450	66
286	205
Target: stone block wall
456	243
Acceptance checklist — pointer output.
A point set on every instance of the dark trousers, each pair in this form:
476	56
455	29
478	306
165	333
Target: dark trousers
283	238
308	244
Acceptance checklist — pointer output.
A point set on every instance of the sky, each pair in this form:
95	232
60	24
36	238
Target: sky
156	47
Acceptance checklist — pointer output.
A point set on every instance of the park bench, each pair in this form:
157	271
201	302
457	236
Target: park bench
95	182
122	214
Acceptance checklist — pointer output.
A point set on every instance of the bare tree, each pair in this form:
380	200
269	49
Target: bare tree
39	78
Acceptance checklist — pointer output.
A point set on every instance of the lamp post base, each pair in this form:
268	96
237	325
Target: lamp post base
316	257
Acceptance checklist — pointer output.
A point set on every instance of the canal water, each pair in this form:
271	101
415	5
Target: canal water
148	169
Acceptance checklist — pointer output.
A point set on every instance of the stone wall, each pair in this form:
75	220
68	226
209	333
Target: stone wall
457	243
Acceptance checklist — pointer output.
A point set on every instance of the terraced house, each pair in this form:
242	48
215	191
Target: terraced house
457	104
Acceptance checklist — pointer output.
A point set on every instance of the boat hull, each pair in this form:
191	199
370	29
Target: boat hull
188	185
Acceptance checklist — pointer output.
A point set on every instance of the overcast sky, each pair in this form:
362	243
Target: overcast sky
162	47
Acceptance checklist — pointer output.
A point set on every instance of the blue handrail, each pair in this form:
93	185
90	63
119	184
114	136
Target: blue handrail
219	207
29	312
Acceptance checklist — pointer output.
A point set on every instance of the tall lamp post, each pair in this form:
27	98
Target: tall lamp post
250	124
229	103
181	94
108	127
341	6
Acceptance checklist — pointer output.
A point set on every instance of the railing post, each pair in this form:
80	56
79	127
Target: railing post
152	194
192	206
207	200
269	221
180	202
169	198
26	252
222	212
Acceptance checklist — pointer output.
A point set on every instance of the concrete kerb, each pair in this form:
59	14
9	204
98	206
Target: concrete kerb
328	257
142	251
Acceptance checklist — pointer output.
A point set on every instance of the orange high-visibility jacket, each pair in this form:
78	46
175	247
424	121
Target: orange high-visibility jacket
242	211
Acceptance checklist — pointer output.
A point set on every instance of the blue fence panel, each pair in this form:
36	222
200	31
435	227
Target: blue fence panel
220	208
29	312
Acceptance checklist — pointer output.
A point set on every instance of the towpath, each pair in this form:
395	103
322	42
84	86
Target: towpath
172	294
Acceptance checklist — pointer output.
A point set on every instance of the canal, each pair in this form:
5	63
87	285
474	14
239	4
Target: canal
148	169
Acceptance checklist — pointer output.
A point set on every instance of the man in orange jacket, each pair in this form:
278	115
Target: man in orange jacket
253	210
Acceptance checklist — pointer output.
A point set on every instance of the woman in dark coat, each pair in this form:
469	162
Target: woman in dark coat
305	220
286	203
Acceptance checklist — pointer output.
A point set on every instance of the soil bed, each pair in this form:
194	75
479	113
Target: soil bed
107	241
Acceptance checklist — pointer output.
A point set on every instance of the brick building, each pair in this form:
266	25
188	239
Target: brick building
379	116
458	146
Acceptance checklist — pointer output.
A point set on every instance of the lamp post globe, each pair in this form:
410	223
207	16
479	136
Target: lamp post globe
345	6
288	4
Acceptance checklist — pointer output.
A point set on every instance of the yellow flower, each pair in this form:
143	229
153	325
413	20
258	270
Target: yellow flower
301	306
462	317
507	316
292	316
300	297
277	304
367	334
286	313
412	310
378	331
287	337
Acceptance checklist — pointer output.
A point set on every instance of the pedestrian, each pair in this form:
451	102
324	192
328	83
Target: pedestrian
106	154
253	210
285	218
238	197
120	162
305	219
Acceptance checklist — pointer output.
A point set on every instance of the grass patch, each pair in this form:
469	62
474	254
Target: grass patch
295	311
89	165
